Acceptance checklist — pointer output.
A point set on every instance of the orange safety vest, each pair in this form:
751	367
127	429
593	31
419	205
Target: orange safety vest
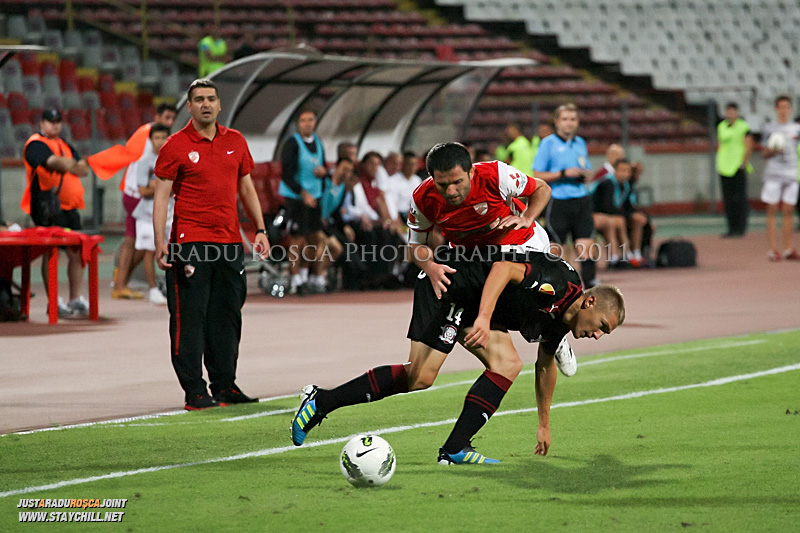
71	194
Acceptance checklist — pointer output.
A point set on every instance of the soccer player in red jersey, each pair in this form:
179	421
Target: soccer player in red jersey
477	206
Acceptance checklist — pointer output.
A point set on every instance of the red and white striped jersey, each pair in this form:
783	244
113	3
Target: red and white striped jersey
493	194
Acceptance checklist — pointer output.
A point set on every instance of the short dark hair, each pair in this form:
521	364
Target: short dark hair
201	83
342	147
164	106
482	153
781	98
408	154
304	111
445	156
373	153
732	105
156	128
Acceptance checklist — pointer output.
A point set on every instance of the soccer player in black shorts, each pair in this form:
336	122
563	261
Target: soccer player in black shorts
535	293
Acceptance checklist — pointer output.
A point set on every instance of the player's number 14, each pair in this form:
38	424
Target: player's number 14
455	316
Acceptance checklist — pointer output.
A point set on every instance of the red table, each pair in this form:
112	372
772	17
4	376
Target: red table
19	248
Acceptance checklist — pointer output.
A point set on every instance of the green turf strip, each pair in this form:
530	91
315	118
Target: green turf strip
722	458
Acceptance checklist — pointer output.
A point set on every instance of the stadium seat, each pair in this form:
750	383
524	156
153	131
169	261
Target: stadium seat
17	27
36	27
22	132
12	77
73	44
90	100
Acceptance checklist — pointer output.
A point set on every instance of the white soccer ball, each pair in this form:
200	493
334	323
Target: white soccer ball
776	142
367	461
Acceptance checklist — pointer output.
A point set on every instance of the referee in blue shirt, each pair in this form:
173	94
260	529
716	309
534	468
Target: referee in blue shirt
563	162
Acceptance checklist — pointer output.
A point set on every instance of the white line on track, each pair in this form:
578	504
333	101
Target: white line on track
122	422
395	429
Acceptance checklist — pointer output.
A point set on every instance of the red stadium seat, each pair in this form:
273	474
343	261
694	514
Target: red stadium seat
86	83
144	99
30	67
105	83
125	101
67	68
108	100
20	116
17	102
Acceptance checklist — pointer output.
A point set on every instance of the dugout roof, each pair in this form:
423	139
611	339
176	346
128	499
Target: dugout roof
380	104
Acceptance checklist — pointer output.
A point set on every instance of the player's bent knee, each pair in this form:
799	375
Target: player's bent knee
421	382
507	367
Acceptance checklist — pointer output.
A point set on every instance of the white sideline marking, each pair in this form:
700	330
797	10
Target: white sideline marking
121	422
395	429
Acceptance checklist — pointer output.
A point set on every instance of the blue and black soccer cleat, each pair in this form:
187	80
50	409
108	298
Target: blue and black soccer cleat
467	456
307	416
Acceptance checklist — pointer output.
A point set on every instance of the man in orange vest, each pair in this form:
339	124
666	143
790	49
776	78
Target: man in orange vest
52	163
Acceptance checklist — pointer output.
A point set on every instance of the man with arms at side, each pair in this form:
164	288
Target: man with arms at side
534	293
206	165
733	159
145	238
780	190
563	162
302	176
53	164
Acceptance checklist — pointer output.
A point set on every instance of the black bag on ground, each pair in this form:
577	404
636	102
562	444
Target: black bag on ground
676	253
45	205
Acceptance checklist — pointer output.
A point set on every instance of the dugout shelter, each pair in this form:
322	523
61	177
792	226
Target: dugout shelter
379	104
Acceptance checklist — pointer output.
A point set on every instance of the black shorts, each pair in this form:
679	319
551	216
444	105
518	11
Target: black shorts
565	218
302	220
438	323
68	219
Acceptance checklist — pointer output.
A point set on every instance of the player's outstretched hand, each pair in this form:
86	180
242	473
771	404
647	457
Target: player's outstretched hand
513	222
437	273
542	441
478	337
161	257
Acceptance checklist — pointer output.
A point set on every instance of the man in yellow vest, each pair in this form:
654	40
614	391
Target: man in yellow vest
519	154
213	52
733	159
53	164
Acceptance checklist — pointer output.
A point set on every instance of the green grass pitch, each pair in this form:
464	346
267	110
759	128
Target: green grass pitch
692	451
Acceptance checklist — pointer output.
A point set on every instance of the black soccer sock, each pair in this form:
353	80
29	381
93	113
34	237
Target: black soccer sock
375	385
588	272
482	401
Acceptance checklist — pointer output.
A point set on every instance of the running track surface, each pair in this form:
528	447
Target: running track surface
78	372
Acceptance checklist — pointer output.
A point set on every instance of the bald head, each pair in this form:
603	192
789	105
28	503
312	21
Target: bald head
614	153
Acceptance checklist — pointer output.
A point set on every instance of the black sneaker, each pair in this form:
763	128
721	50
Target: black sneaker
198	402
232	395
